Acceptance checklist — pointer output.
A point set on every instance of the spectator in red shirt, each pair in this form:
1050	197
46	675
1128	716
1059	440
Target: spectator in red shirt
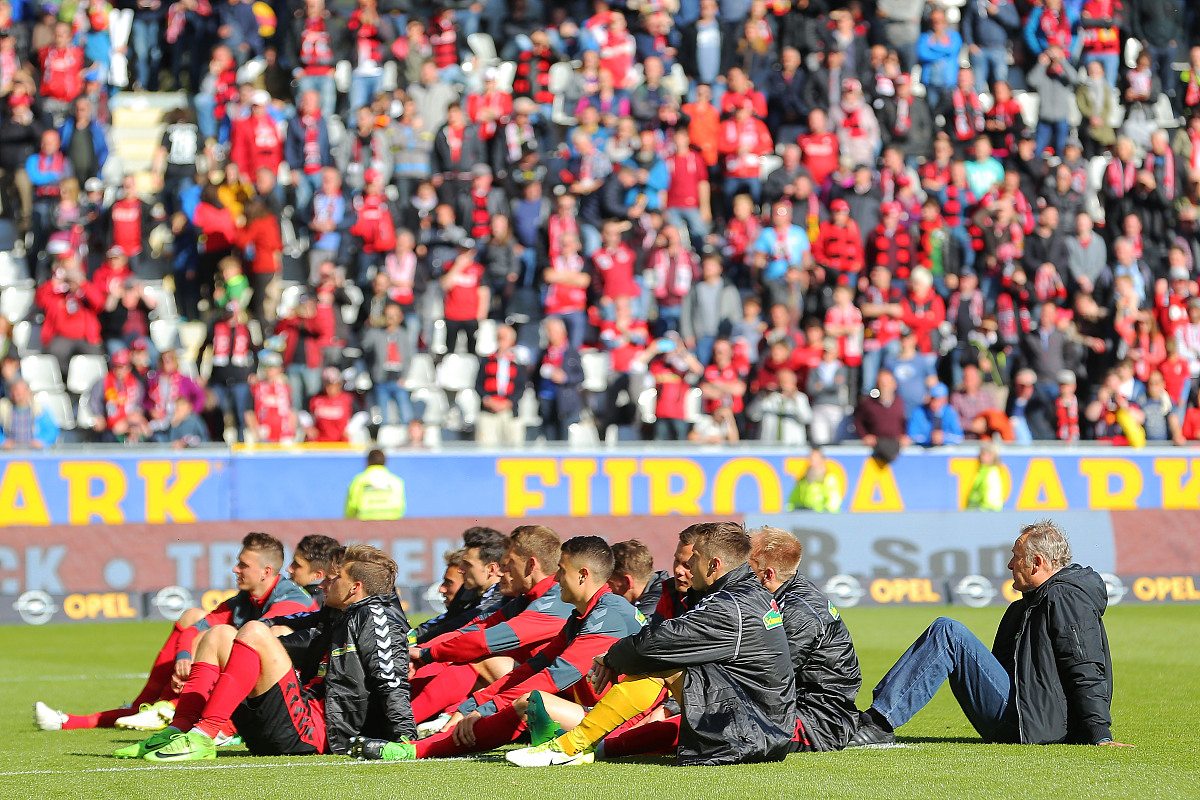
614	265
723	385
744	140
625	338
839	246
923	310
272	418
820	148
128	221
72	305
673	369
262	247
567	280
467	298
62	73
122	417
331	410
256	140
688	195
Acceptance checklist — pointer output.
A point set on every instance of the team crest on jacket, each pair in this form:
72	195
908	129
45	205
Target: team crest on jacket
833	612
772	619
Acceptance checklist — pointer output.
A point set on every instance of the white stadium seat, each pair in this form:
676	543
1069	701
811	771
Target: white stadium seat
595	371
15	302
84	371
165	334
485	341
457	372
421	373
58	404
392	436
42	373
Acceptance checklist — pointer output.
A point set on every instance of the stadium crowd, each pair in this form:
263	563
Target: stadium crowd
816	221
585	651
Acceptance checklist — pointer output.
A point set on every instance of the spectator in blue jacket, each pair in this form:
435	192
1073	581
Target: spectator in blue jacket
24	425
306	148
987	26
1051	25
935	423
937	51
91	152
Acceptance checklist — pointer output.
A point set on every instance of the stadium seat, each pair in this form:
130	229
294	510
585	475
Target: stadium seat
84	417
645	403
468	403
692	405
677	81
58	404
768	164
420	373
341	76
1074	117
164	301
527	410
560	77
42	372
12	272
506	73
438	345
350	311
191	338
289	299
165	334
986	101
484	48
1029	102
1164	112
436	405
433	436
15	302
392	436
595	371
1133	48
84	371
391	73
583	434
457	372
20	335
485	341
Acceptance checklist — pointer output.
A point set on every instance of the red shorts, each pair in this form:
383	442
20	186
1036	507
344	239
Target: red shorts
282	721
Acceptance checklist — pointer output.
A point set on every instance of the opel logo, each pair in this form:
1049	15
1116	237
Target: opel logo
1115	586
844	589
975	591
35	607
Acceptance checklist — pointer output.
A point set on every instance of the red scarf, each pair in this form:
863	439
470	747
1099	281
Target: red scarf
1168	176
903	118
120	398
316	52
965	127
454	140
312	144
556	227
1067	413
1192	97
231	346
1056	28
402	270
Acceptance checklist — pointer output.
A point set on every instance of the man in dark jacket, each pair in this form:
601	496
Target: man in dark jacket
726	661
1048	677
483	549
635	579
826	666
363	689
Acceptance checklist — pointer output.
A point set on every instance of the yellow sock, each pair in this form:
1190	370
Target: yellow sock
621	703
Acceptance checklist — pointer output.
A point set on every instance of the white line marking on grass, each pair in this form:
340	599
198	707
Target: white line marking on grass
249	764
120	676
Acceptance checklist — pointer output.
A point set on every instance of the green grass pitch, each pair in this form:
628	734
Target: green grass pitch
1156	655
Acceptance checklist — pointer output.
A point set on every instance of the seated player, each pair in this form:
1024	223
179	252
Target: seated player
493	715
634	577
826	667
310	563
675	600
1048	677
726	662
261	593
483	549
245	676
480	653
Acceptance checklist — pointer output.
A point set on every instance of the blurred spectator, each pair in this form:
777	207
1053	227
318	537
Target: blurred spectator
72	305
164	389
272	417
785	413
709	310
828	389
673	369
388	353
500	384
987	488
818	489
880	415
24	425
935	423
330	410
560	375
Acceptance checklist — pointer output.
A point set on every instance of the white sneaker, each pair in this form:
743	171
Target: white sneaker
47	718
427	729
548	755
151	717
227	739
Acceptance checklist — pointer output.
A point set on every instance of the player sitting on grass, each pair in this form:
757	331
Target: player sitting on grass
479	654
246	676
483	548
310	563
261	593
726	661
492	716
675	600
634	577
1048	677
826	667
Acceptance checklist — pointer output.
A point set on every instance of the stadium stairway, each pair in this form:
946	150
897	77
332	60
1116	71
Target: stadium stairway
137	128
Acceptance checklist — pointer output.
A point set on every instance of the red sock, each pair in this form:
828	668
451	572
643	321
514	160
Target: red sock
234	686
196	691
160	674
102	719
449	688
653	737
490	732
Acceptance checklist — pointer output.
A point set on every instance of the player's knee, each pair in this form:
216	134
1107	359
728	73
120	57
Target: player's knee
190	617
254	633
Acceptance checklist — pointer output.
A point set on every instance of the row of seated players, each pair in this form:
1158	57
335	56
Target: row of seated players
738	658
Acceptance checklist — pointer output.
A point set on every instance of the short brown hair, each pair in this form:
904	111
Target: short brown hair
724	540
372	567
688	535
592	552
454	557
775	548
536	541
633	558
267	547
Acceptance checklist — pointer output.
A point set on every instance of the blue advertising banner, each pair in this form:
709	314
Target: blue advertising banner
47	490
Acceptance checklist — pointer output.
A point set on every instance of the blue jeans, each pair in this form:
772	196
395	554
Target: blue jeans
144	35
363	89
688	221
324	85
990	65
1111	62
873	360
577	325
389	391
206	120
736	186
1160	61
668	319
948	651
704	348
234	399
1059	130
306	186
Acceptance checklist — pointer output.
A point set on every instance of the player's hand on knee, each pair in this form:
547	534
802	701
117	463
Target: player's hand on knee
464	733
452	723
183	668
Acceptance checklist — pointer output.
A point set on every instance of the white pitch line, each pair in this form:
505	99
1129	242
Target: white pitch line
249	764
120	676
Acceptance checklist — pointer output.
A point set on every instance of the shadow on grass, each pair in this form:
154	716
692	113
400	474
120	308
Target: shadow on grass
938	740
